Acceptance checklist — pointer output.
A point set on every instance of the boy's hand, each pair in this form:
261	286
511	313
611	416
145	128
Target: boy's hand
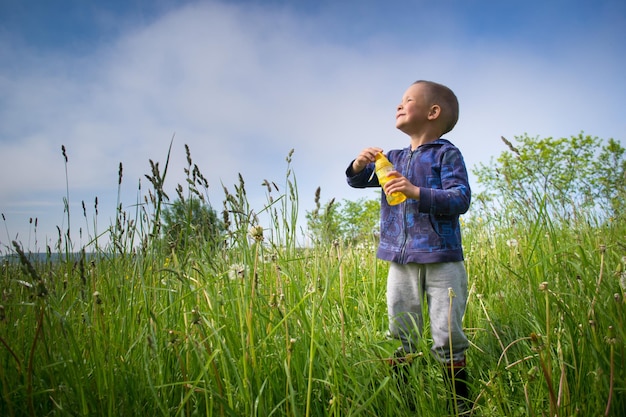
401	184
366	156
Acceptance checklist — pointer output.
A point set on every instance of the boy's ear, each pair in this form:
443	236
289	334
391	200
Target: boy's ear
434	112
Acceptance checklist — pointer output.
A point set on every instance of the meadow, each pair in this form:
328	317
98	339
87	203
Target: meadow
264	326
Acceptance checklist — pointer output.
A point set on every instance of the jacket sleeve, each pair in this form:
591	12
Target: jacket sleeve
362	179
454	196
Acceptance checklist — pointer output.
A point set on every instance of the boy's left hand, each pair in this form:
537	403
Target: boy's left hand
399	183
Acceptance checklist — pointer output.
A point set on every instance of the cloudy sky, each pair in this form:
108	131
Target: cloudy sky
242	82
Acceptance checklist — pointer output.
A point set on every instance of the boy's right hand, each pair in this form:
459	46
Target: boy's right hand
366	156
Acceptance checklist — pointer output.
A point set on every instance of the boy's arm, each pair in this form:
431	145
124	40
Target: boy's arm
454	197
359	173
363	178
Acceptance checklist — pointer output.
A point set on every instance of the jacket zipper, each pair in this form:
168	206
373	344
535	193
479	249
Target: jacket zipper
404	225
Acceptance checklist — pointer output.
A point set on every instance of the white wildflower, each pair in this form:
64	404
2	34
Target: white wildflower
512	243
237	271
256	232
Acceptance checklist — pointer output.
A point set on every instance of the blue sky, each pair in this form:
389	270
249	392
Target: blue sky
243	82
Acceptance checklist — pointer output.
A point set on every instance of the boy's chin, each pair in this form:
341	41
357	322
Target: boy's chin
402	127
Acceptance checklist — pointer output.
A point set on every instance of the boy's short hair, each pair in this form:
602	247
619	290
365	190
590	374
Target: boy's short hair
446	99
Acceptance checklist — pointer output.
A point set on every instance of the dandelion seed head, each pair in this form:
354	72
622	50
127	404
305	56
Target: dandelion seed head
256	232
512	243
237	271
96	297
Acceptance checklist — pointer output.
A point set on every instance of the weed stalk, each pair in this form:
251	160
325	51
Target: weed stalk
610	339
66	205
455	405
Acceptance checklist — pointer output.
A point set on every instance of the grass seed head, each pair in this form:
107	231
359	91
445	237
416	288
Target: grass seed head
610	336
195	316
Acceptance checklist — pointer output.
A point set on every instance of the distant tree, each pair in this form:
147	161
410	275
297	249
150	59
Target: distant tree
323	222
558	177
611	181
191	222
350	222
360	220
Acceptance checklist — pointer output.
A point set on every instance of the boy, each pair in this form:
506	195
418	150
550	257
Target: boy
421	237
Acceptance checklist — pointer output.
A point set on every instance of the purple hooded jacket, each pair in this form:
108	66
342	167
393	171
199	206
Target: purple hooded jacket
425	230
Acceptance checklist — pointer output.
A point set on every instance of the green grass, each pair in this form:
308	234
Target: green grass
267	328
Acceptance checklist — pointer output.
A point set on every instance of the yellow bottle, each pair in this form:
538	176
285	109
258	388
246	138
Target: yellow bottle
383	168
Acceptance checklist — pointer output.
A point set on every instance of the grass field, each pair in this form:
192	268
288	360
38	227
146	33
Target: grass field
265	327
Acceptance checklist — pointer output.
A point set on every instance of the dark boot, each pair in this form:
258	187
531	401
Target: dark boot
400	362
456	377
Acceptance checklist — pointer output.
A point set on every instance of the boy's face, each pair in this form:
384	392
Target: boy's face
413	112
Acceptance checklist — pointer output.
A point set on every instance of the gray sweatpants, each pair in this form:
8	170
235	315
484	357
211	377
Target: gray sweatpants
439	284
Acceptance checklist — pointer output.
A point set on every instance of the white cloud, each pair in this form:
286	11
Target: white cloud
244	86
